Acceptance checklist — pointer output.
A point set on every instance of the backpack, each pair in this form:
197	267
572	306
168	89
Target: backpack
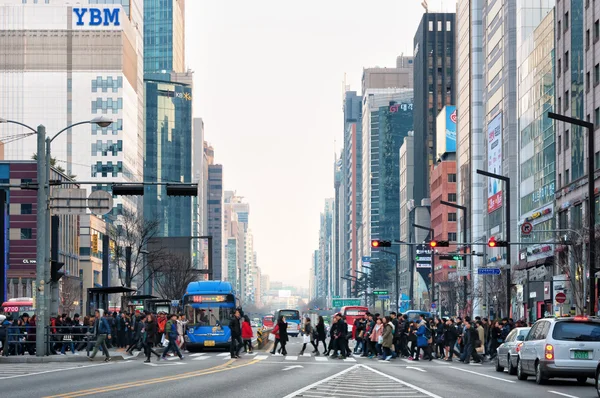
427	333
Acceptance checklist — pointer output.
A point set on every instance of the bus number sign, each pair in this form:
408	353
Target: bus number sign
209	299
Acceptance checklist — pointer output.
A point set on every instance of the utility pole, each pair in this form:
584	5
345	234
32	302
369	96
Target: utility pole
40	272
128	266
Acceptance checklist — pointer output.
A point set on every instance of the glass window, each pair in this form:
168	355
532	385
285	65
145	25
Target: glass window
511	336
566	21
596	117
451	177
431	26
26	233
448	26
26	208
439	27
596	30
533	331
451	197
452	236
566	61
576	331
451	216
567	139
85	251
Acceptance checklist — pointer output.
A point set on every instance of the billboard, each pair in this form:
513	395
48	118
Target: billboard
446	130
494	132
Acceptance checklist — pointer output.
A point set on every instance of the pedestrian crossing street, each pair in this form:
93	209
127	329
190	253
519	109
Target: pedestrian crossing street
261	356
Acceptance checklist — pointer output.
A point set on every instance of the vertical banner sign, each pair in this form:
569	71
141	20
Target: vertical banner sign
450	128
494	163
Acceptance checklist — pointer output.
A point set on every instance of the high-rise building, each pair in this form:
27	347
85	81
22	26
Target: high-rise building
434	60
407	183
338	230
168	130
324	268
215	214
537	179
399	77
88	70
387	120
352	188
199	176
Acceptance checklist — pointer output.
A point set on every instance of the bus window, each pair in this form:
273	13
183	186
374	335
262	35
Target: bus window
290	315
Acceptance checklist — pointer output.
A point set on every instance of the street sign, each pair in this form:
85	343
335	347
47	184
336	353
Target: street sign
526	228
100	202
433	306
383	297
560	297
380	292
488	271
345	301
69	201
423	254
462	272
453	257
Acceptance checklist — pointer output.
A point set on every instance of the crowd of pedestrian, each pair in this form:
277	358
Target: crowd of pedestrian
126	331
397	336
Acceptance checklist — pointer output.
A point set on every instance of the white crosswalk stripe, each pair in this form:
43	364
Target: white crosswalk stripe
321	359
261	357
197	354
199	358
291	358
223	354
349	360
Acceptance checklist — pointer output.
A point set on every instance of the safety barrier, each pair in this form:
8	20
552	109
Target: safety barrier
262	337
21	339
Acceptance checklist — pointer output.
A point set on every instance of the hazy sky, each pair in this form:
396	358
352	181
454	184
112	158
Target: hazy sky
268	84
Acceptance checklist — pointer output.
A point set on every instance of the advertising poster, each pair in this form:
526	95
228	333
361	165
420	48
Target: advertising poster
450	128
494	163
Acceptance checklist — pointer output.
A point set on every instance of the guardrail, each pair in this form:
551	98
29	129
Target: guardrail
21	339
262	337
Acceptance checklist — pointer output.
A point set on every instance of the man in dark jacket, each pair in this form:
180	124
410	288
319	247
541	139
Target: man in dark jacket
450	338
236	335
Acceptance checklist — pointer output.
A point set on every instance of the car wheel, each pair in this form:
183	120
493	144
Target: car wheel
540	378
520	374
499	368
512	370
598	382
582	380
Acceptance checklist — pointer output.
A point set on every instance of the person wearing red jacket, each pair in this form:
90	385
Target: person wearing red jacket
247	334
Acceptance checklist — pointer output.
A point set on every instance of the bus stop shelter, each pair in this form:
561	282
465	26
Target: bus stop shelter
98	297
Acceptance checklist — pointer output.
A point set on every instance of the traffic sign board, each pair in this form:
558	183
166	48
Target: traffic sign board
380	292
488	271
526	228
383	297
433	306
560	297
345	301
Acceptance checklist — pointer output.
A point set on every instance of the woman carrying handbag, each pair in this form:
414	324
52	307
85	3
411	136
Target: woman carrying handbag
308	337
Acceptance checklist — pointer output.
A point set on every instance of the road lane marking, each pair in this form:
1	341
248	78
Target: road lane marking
349	360
419	369
291	358
261	357
200	358
483	375
325	380
224	354
429	394
292	367
197	355
141	383
61	369
563	394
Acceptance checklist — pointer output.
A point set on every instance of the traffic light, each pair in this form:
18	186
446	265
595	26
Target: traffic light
380	243
94	243
439	243
55	273
182	190
128	189
497	243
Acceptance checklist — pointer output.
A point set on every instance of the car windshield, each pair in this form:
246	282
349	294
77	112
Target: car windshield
290	315
209	315
577	331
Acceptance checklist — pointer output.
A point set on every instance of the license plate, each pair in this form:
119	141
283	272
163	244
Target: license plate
209	343
581	355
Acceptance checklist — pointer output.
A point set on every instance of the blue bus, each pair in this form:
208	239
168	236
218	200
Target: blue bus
292	317
413	315
209	306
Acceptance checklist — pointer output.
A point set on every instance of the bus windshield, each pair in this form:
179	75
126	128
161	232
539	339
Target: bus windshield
209	309
293	315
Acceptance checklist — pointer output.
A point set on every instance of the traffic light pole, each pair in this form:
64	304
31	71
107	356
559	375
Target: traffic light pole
506	181
464	238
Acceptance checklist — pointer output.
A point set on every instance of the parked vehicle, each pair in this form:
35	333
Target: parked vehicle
567	347
508	352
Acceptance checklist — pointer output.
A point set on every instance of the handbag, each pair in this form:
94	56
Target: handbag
306	339
68	337
380	340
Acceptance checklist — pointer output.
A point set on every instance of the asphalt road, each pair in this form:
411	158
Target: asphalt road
214	374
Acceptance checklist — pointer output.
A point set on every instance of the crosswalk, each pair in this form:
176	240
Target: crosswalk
10	371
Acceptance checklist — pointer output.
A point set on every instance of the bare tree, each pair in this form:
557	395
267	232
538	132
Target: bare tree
571	262
173	275
70	294
132	230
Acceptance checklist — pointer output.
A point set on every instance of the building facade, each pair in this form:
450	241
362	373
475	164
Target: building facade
215	216
92	70
434	59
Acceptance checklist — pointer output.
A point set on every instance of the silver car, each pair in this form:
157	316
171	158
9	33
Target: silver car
508	352
567	347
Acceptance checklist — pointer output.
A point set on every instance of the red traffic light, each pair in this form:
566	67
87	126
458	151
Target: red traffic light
433	243
380	243
439	243
497	243
492	242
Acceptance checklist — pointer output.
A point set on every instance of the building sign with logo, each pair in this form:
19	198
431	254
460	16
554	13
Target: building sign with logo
97	17
494	165
423	255
446	130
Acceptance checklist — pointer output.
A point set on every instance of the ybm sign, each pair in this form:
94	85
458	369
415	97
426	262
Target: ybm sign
97	16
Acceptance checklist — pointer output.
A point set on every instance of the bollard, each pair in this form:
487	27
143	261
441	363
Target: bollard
259	337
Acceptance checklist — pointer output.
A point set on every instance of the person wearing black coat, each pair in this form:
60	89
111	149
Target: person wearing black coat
148	336
136	336
236	335
321	334
450	338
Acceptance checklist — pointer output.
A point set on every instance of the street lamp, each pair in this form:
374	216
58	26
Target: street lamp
43	222
432	235
506	181
591	202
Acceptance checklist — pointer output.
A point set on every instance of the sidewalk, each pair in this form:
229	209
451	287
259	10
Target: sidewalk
115	354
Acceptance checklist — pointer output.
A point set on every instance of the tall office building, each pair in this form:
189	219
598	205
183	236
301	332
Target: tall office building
407	183
199	176
337	230
324	268
168	130
399	77
387	120
90	66
434	60
352	188
214	199
537	178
